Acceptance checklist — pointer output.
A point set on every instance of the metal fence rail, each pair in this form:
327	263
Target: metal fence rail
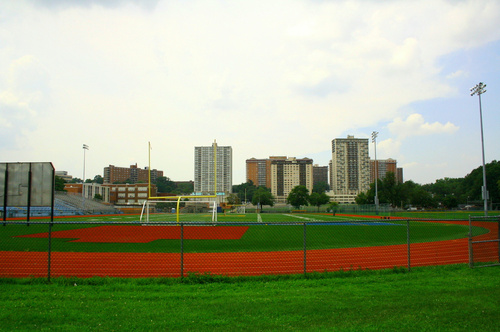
484	251
166	249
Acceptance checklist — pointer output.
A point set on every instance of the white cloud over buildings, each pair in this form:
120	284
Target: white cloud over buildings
415	125
276	77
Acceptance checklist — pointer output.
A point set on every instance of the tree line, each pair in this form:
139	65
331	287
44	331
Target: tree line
261	195
448	193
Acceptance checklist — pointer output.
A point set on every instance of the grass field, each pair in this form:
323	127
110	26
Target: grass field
236	245
443	298
262	236
446	298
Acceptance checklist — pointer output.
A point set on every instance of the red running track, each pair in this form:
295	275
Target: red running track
109	264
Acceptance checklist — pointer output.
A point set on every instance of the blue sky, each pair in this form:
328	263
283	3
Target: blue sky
265	77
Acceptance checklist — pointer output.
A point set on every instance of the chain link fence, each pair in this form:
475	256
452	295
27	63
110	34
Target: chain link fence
484	250
169	249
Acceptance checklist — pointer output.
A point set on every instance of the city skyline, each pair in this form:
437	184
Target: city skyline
267	78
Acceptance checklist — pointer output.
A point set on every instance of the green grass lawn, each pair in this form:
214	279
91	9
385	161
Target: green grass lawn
444	298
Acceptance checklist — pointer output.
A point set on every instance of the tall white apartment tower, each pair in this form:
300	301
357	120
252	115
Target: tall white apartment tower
350	168
206	174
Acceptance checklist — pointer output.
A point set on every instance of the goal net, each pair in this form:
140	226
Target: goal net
169	210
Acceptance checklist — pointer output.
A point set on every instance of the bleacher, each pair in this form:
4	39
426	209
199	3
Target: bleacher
64	205
83	206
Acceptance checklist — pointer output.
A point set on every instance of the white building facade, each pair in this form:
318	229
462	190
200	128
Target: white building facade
350	168
210	172
287	173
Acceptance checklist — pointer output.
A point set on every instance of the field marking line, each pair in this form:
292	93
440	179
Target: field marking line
300	217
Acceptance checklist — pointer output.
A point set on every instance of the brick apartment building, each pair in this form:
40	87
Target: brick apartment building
132	174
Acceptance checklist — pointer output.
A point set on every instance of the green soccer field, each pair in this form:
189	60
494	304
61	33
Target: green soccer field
322	232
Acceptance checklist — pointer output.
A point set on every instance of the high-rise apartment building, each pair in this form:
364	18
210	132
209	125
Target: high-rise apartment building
132	174
287	173
350	170
320	174
382	166
399	174
205	176
259	171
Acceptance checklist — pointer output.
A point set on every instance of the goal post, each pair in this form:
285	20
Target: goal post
178	198
194	207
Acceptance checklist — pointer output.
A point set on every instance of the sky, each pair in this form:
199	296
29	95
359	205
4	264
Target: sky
275	77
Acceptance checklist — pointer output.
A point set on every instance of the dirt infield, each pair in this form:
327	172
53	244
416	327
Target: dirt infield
109	264
145	234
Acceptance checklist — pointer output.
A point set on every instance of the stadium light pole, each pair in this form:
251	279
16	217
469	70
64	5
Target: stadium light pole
85	147
374	140
479	89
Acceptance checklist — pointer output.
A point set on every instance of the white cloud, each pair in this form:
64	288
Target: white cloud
279	77
22	98
415	125
457	74
388	148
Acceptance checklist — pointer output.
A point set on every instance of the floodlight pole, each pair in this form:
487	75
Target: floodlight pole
374	140
479	89
85	147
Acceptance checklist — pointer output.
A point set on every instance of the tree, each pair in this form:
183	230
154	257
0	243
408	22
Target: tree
406	190
317	199
245	191
320	187
361	199
298	196
233	199
333	207
450	201
262	196
98	197
59	183
389	192
165	185
185	188
422	198
98	179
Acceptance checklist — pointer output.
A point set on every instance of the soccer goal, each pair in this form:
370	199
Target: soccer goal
171	210
241	209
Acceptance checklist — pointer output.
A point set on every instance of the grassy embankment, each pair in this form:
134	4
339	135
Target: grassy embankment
446	298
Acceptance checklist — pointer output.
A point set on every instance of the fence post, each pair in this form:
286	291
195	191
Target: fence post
49	251
471	254
305	249
408	244
182	250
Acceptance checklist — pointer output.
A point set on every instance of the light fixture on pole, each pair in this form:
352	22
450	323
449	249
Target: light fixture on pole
374	140
479	89
85	147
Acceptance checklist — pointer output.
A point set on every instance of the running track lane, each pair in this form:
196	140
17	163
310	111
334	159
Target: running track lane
34	264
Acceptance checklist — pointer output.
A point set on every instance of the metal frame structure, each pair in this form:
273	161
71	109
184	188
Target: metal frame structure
178	198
